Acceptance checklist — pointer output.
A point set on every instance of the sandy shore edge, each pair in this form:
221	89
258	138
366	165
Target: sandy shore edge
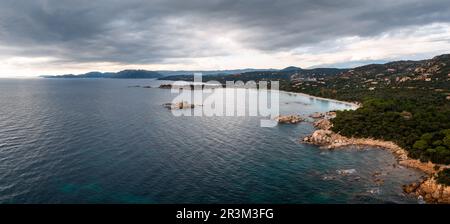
355	105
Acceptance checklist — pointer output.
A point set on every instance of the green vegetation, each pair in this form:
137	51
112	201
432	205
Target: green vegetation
410	106
421	128
443	177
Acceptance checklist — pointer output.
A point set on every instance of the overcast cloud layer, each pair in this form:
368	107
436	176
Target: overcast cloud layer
54	36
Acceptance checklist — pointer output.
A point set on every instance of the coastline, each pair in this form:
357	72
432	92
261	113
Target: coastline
355	105
427	189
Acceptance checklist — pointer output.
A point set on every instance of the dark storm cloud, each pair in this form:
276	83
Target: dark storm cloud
156	30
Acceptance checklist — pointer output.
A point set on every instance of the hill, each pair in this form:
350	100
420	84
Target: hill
212	72
287	74
125	74
407	102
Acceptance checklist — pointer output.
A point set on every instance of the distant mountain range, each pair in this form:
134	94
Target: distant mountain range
213	72
367	76
432	73
125	74
145	74
283	74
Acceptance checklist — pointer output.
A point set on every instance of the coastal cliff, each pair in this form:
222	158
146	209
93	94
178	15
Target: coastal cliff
428	189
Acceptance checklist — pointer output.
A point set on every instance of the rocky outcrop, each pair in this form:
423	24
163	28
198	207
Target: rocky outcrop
325	138
430	191
289	119
178	106
330	114
327	115
323	124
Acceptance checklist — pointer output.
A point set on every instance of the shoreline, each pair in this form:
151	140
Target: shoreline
355	104
427	189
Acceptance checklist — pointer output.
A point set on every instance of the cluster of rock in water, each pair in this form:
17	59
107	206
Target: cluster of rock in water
294	119
352	175
179	105
188	86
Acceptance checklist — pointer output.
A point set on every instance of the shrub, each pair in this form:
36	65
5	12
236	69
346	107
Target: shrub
421	145
443	177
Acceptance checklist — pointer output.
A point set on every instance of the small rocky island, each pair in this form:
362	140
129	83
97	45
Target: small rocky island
289	119
178	106
165	86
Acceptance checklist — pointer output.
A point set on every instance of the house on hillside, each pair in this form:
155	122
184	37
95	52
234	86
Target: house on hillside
391	70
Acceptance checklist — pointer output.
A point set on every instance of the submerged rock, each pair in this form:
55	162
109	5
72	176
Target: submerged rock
374	191
376	174
328	178
379	181
346	172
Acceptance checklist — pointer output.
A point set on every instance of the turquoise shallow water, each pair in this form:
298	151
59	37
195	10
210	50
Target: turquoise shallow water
99	141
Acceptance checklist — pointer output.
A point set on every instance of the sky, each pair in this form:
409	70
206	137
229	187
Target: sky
49	37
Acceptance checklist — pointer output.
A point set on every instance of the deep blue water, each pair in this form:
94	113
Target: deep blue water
99	141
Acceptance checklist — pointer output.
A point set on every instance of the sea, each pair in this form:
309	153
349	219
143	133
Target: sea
111	141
